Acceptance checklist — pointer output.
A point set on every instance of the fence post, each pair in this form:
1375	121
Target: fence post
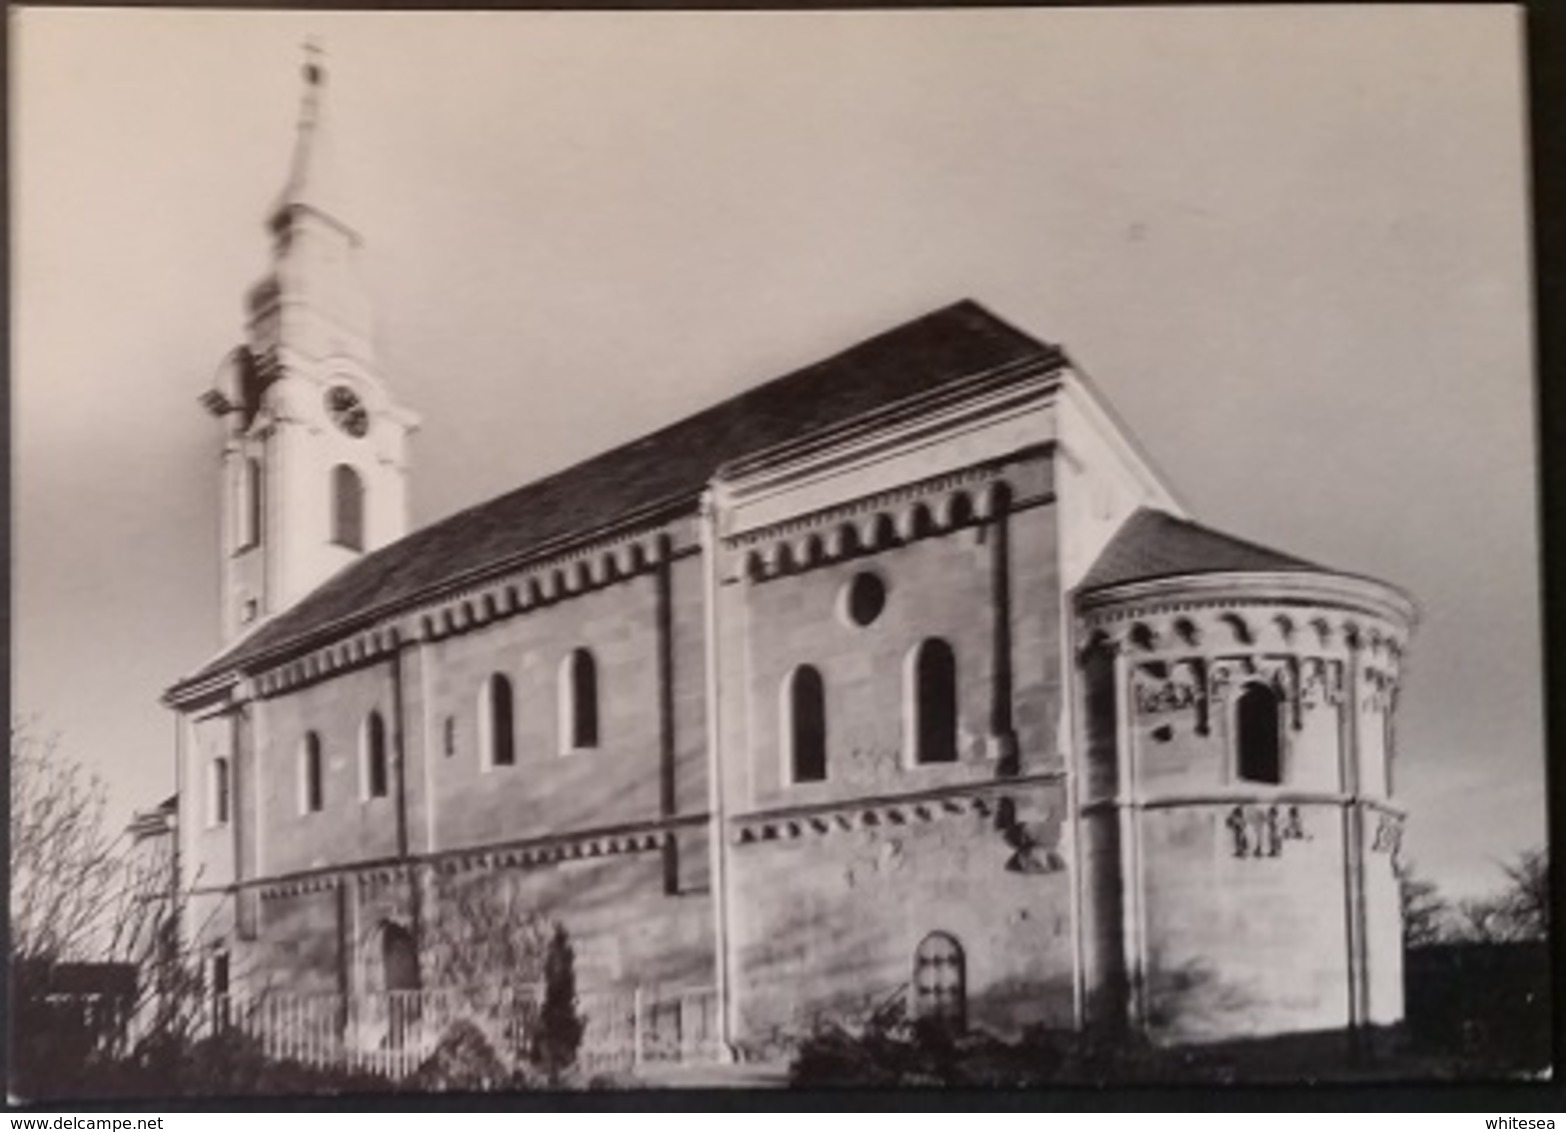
636	1026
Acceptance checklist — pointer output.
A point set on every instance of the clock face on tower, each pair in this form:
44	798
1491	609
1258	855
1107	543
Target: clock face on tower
347	411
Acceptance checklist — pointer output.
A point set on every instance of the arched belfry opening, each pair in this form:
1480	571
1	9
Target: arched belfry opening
347	508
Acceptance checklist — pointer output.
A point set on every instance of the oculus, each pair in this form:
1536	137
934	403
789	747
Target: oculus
864	597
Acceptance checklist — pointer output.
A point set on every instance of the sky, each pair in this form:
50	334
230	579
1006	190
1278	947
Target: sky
1289	244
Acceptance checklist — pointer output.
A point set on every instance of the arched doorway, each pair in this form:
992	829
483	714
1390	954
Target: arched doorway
940	981
400	970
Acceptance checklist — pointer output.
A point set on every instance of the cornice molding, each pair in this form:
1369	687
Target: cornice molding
497	593
968	497
1237	588
584	845
1244	797
819	819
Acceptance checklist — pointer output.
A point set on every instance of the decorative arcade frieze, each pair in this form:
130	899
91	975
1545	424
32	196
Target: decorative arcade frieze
542	584
1195	685
873	523
535	853
1235	625
1032	838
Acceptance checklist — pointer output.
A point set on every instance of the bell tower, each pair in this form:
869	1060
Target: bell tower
315	456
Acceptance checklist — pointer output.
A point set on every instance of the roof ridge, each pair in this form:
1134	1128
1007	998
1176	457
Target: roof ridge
933	352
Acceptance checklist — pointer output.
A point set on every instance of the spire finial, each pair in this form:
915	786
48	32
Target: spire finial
314	69
310	181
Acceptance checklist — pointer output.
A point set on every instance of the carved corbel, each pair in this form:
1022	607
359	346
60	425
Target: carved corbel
1143	636
914	522
1291	669
877	532
1241	629
1389	834
604	568
628	559
755	566
834	545
1099	642
953	510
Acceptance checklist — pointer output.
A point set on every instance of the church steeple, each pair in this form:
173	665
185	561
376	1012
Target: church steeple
316	453
312	183
313	301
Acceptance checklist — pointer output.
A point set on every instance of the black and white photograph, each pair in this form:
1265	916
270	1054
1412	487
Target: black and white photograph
772	549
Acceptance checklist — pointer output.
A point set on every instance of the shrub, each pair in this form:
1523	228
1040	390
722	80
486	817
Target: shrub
560	1027
462	1059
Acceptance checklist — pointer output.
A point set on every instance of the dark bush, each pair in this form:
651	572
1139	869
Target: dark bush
560	1027
463	1059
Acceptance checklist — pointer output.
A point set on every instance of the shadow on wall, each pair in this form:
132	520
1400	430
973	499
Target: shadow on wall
1192	1002
488	925
1010	1006
814	970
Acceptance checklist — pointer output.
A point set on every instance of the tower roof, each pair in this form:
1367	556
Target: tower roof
660	473
312	181
1154	544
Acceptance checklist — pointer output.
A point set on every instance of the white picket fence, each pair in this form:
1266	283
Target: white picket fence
393	1033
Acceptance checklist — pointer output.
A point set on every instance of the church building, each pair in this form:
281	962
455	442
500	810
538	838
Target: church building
903	677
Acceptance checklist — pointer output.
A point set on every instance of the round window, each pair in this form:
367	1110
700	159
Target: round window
863	599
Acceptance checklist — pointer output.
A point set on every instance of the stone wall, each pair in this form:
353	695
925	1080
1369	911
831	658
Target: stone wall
826	924
1381	836
834	883
1241	944
638	798
349	827
482	925
1246	905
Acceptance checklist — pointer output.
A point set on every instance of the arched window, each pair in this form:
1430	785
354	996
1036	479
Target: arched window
497	737
372	755
804	725
940	981
578	702
247	509
312	795
931	702
1260	735
218	808
347	508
